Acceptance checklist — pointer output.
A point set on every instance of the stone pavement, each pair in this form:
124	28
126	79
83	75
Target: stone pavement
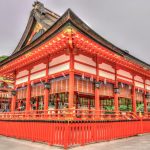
141	142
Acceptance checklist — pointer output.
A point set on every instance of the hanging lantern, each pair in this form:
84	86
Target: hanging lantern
97	84
13	92
116	90
47	85
147	95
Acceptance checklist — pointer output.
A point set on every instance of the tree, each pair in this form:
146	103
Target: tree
2	58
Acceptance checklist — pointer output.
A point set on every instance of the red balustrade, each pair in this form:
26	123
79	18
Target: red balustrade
69	133
69	127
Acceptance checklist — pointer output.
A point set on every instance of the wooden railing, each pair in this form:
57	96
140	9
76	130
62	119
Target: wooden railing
69	114
69	127
70	133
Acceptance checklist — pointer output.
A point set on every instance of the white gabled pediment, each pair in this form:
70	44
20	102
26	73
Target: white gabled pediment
85	59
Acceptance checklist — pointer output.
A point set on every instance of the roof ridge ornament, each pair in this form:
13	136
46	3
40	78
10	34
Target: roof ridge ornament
39	6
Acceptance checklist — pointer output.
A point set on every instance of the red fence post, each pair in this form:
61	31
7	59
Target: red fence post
141	125
66	144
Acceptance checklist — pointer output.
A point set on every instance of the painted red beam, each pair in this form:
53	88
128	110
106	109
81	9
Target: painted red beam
106	53
52	46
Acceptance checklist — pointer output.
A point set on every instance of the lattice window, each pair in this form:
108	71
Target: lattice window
58	100
85	102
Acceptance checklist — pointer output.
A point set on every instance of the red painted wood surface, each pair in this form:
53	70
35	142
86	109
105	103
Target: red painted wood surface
68	133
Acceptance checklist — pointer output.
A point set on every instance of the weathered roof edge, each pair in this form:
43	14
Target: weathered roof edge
77	22
90	32
30	24
25	33
53	29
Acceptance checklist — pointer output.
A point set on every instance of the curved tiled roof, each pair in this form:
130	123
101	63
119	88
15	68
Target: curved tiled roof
44	16
39	15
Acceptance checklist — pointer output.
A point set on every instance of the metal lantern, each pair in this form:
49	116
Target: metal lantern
147	95
47	85
97	84
13	92
116	90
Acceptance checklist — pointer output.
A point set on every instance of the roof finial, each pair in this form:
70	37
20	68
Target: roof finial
38	6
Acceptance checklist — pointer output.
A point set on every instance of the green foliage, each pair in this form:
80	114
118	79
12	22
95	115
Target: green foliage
125	107
109	108
2	58
140	107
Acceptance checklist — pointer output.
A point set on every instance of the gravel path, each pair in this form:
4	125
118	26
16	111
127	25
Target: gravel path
141	142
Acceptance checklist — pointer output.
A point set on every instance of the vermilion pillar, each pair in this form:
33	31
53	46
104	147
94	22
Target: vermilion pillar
46	95
97	99
97	94
71	79
133	97
28	97
46	90
37	103
145	102
13	103
116	92
144	98
14	97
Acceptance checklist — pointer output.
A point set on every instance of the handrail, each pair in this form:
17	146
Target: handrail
69	114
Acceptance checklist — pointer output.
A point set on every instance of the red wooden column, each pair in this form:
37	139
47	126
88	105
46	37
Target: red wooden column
71	69
144	98
116	92
46	90
13	103
28	97
97	93
133	97
37	103
46	96
14	97
71	80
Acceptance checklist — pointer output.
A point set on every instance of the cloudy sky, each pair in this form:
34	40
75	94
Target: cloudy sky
125	23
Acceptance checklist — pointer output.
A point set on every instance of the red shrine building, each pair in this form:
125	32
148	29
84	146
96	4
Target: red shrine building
61	70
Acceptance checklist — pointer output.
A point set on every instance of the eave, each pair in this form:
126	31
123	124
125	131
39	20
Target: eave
69	18
54	29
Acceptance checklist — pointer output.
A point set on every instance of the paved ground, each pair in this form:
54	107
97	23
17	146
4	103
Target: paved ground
134	143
